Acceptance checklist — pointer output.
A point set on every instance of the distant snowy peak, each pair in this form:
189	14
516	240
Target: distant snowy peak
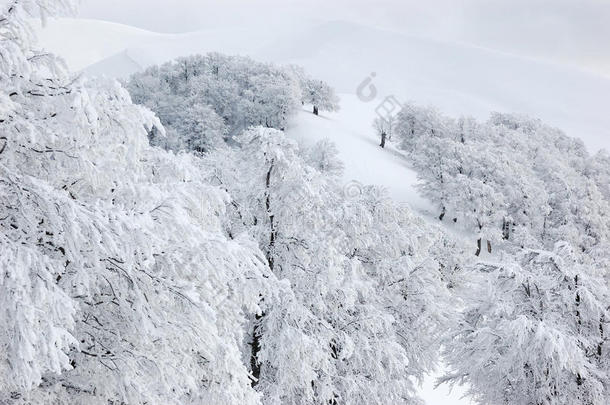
119	65
85	42
456	78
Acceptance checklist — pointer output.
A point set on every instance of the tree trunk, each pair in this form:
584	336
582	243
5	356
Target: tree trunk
315	110
478	252
272	233
255	366
488	247
577	302
440	217
505	229
601	334
256	335
383	136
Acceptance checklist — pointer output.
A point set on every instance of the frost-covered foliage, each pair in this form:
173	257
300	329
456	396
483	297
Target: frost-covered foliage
535	324
365	303
203	99
133	275
317	93
320	95
359	313
116	282
510	179
250	275
534	332
322	156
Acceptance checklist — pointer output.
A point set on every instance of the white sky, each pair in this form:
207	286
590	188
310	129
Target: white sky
576	32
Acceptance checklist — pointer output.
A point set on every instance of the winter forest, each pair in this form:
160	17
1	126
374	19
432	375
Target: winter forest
164	241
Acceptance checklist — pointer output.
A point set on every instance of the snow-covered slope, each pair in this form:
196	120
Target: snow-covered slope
85	42
351	131
456	78
94	46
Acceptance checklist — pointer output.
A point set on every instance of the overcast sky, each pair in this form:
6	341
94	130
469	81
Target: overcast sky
572	31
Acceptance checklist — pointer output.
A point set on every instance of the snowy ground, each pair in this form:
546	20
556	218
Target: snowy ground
457	78
351	130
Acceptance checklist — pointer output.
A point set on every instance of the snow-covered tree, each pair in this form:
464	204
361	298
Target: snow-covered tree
246	273
360	286
521	185
197	128
510	179
320	95
533	332
425	135
322	156
117	284
384	127
192	95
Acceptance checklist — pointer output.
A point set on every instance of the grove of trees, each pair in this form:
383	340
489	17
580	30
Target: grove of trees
205	99
535	323
136	275
166	243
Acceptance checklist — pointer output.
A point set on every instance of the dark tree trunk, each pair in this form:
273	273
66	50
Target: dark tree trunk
577	301
272	230
505	229
315	110
256	333
255	366
440	217
579	379
383	136
601	334
488	247
478	252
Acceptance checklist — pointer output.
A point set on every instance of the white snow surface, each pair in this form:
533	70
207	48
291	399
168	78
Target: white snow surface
456	78
351	131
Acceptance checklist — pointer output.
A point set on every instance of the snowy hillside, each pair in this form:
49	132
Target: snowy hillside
456	78
350	129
